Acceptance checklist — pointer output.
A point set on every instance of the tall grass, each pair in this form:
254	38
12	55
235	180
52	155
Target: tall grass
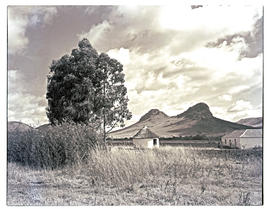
69	156
169	175
54	147
125	166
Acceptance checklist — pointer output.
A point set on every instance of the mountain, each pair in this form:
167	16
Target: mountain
153	114
196	120
197	112
254	122
18	126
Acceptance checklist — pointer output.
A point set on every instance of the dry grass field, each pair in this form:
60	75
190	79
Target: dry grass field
165	176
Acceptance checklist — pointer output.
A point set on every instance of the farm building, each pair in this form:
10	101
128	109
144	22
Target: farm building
146	139
243	139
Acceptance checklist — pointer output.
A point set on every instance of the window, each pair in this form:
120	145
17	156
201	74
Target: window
154	142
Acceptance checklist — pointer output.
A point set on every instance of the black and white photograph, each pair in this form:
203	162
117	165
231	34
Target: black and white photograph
135	105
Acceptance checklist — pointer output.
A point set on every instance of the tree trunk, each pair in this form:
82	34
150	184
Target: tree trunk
104	117
104	127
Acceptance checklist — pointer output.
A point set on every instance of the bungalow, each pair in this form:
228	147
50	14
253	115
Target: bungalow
243	139
145	138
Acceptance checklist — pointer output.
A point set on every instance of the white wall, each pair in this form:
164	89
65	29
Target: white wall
242	143
250	142
147	143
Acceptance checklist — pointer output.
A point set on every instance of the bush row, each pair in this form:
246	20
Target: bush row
53	147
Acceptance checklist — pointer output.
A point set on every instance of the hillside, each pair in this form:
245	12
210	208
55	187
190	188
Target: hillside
18	126
196	120
254	122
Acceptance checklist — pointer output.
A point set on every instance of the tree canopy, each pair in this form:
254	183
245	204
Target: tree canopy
87	87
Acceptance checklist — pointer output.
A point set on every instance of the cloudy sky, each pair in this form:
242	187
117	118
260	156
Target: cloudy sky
173	56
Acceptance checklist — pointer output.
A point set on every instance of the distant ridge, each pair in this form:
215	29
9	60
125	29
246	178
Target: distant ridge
254	122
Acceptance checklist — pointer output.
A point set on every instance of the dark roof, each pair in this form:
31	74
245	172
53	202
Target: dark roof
145	133
245	133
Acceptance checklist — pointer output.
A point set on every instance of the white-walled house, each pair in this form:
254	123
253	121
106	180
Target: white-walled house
145	138
243	139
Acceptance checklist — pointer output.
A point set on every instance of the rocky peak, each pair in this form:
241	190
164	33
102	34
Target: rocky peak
153	113
198	111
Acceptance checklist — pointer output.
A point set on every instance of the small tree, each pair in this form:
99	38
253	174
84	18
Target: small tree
86	87
112	93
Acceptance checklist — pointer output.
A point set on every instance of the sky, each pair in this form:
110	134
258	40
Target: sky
174	56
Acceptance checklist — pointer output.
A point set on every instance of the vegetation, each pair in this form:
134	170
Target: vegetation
165	176
86	87
196	137
65	165
57	146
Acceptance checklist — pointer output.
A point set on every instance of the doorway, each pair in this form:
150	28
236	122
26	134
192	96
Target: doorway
155	142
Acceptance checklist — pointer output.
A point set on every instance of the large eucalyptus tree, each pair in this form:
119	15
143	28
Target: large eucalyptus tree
87	87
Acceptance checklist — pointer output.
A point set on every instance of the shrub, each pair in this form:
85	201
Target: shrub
54	147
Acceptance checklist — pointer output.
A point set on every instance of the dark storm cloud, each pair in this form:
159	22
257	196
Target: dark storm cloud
196	6
252	38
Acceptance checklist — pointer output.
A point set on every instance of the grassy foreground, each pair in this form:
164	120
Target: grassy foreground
166	176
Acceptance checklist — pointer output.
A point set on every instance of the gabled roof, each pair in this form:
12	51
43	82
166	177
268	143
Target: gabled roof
243	133
252	133
145	133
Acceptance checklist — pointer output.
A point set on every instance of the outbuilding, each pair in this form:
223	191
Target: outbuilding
145	138
243	139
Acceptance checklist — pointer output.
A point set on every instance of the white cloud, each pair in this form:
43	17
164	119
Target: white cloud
122	55
23	106
97	32
238	89
219	19
243	109
17	39
167	83
48	14
174	28
240	105
225	97
145	81
217	111
223	61
166	63
238	45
